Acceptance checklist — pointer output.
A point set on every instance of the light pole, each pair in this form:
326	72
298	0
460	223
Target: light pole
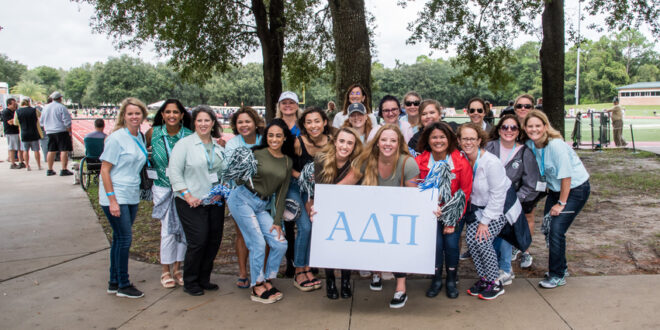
577	76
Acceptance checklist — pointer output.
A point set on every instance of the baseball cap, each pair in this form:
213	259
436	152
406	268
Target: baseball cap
55	95
288	95
356	107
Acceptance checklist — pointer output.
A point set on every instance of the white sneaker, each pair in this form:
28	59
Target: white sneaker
387	276
526	260
399	299
365	273
506	278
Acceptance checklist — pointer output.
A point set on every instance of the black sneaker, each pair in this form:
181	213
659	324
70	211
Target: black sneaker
21	165
129	292
399	300
50	172
65	173
376	283
478	287
112	288
209	286
493	290
193	290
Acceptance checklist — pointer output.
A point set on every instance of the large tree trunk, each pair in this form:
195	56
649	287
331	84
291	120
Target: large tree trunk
552	62
353	56
270	29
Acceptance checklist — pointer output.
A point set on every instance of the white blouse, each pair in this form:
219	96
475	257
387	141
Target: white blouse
489	187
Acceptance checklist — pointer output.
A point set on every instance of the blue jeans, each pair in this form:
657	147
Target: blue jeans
122	236
249	212
504	251
446	248
577	197
304	233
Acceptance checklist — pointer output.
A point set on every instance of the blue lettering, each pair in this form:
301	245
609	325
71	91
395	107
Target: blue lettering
395	223
345	228
378	231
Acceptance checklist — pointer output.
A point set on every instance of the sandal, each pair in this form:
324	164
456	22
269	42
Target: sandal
243	283
178	277
166	280
265	297
304	285
316	281
275	292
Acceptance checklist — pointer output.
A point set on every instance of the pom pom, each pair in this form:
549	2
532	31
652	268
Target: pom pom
545	228
306	180
218	190
453	210
439	177
413	152
241	165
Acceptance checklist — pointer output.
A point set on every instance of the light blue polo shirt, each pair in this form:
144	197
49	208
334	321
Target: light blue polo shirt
560	162
127	159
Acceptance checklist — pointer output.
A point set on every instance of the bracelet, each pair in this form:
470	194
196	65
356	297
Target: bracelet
185	192
561	203
112	193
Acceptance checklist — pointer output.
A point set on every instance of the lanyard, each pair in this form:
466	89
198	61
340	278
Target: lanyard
476	164
510	153
140	145
542	165
209	162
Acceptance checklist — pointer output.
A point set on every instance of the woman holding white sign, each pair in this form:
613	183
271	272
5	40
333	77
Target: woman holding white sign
484	217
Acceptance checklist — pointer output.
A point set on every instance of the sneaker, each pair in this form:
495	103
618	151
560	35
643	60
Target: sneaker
478	287
387	276
514	254
65	173
506	278
50	172
493	290
526	260
14	167
399	300
112	288
376	283
21	165
465	256
553	282
129	292
365	273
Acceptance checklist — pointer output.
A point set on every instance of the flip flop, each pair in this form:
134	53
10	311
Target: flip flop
245	281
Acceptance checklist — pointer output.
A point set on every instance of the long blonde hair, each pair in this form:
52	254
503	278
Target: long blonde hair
328	156
120	122
550	133
368	159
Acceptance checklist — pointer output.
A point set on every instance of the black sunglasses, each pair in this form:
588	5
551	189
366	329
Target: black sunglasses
512	128
526	106
411	103
479	110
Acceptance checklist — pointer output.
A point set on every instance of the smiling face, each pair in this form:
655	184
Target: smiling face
357	119
477	112
356	95
509	130
469	140
288	107
344	146
133	116
536	130
388	143
171	115
438	141
275	138
245	125
314	124
203	124
390	112
430	114
523	107
411	104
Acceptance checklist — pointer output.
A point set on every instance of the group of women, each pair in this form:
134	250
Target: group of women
273	208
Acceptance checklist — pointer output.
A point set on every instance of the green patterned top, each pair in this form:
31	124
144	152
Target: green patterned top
160	152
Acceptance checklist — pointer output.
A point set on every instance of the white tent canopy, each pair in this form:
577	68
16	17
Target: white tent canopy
156	105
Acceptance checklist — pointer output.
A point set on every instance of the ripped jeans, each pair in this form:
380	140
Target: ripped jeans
249	212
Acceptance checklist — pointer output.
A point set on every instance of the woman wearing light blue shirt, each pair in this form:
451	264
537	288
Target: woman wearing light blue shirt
195	167
123	157
567	182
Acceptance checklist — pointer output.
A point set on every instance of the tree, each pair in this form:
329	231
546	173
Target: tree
11	71
76	82
30	89
483	32
50	78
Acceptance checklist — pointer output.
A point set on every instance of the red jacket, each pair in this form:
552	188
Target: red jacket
462	170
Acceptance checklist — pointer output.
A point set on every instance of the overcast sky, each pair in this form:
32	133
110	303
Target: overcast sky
57	33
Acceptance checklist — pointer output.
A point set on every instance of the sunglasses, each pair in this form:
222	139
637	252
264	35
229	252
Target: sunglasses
512	128
526	106
411	103
480	110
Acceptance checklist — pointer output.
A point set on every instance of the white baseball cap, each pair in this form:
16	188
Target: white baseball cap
288	95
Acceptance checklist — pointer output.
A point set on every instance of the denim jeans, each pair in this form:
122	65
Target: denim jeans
122	236
577	197
304	233
446	248
249	212
504	251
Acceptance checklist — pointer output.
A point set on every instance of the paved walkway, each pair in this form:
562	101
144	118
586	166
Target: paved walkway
53	274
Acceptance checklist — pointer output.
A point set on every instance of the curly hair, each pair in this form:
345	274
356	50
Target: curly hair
258	121
328	155
481	134
324	117
423	143
368	159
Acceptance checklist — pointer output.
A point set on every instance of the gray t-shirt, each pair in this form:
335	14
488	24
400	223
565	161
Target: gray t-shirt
410	171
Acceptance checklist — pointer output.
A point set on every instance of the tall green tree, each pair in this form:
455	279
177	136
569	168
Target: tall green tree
10	70
49	77
76	81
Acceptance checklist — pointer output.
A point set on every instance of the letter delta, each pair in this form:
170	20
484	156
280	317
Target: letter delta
342	225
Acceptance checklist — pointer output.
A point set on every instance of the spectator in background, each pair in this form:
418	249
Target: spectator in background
56	119
617	123
43	142
27	118
12	134
331	111
97	133
539	104
508	110
489	114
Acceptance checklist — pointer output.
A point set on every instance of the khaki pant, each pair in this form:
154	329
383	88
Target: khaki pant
617	130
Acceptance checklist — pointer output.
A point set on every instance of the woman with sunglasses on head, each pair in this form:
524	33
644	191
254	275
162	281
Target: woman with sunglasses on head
248	203
430	112
567	180
411	102
521	168
354	94
359	121
439	144
389	109
171	123
484	218
477	112
195	167
248	127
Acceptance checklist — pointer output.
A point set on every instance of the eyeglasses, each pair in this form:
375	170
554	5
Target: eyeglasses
480	110
388	111
526	106
411	103
512	128
356	93
471	140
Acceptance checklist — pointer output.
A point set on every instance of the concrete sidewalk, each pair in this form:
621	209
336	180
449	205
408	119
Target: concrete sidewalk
54	270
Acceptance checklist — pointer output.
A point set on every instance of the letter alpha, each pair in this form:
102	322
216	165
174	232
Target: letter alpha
345	228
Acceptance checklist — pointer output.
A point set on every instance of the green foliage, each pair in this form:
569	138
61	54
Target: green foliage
30	89
50	78
76	81
11	71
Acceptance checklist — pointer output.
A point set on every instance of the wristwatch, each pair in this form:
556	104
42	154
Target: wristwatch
561	203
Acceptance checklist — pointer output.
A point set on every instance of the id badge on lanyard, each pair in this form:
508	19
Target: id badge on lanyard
542	184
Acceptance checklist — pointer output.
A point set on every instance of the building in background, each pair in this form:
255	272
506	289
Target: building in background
642	93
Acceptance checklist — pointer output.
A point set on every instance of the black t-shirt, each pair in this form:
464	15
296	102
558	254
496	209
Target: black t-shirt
8	115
